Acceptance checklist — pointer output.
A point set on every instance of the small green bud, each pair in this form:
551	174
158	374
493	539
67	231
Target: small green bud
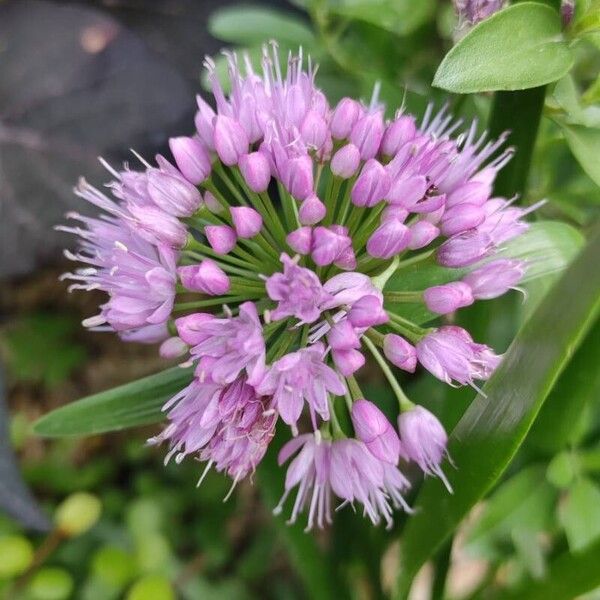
78	513
16	554
561	470
152	587
51	583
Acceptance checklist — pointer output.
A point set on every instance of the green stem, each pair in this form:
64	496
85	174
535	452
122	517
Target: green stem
208	302
403	296
519	112
405	403
355	391
407	328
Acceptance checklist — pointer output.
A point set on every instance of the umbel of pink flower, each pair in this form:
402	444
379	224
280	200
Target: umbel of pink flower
262	253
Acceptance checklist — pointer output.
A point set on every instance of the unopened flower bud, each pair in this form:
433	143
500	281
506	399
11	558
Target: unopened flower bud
313	130
328	245
344	117
173	194
367	312
205	123
394	212
222	238
346	260
388	239
187	327
342	336
464	249
406	192
367	133
191	157
424	440
312	210
155	225
472	192
348	361
398	133
297	175
345	161
256	171
372	185
444	299
173	347
231	140
422	233
300	240
246	221
375	431
206	277
494	278
399	352
461	217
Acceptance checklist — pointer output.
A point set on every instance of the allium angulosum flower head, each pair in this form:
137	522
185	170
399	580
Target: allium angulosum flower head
262	252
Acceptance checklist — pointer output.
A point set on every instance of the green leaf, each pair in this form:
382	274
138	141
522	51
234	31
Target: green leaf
486	438
398	16
548	246
525	500
584	143
136	403
517	48
567	577
580	514
250	25
580	384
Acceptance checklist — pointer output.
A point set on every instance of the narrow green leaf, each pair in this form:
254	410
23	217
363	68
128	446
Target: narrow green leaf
584	143
129	405
495	424
567	577
580	514
517	48
548	247
250	25
398	16
560	419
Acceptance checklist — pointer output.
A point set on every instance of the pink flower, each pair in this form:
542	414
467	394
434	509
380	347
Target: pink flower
450	354
300	377
424	440
375	431
236	343
297	291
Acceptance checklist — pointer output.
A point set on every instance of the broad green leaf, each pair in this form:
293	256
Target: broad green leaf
564	409
585	145
567	577
136	403
486	438
548	247
398	16
580	514
517	48
250	25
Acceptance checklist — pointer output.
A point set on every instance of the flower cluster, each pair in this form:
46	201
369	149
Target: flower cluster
262	255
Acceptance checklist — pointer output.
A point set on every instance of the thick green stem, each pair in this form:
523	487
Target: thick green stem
519	112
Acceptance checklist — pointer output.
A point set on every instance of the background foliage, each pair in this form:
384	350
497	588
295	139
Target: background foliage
524	521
